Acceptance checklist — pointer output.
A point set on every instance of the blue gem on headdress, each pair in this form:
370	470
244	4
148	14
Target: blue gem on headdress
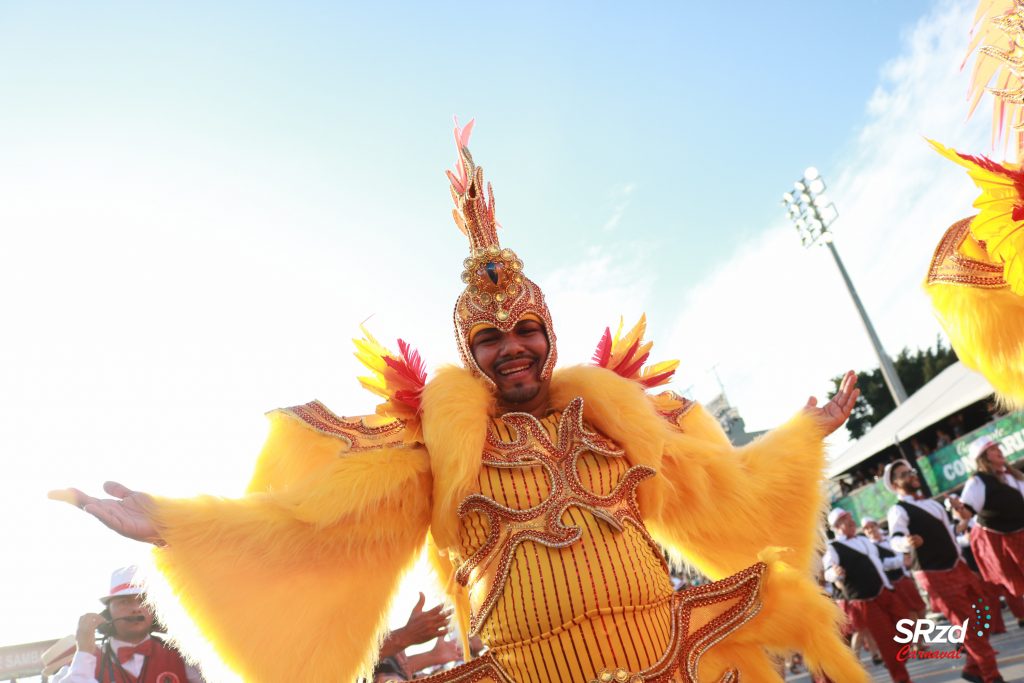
492	271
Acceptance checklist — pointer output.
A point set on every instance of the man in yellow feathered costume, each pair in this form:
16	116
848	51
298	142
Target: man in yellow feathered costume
544	499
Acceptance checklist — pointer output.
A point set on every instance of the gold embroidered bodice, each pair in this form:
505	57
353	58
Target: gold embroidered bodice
552	546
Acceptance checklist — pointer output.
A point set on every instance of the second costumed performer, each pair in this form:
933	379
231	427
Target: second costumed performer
544	499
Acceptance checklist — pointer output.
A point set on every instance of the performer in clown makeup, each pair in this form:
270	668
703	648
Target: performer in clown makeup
544	499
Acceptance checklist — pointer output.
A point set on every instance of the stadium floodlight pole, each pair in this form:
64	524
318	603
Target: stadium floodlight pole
813	212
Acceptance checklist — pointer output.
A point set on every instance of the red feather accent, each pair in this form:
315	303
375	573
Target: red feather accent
613	354
993	167
603	353
411	369
634	368
655	380
627	357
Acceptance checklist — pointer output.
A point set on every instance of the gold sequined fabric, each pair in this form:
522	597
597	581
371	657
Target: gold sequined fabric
564	580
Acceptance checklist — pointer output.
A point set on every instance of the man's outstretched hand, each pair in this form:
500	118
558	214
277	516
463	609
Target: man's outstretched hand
125	513
833	414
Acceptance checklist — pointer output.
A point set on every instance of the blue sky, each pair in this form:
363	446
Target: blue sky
706	111
201	204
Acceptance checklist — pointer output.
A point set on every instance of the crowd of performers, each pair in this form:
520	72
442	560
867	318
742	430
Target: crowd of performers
963	556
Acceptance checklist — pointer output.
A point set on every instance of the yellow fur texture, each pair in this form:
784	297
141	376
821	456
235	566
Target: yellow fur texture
293	583
719	507
986	329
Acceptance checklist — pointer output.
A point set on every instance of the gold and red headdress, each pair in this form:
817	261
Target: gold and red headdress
998	41
497	292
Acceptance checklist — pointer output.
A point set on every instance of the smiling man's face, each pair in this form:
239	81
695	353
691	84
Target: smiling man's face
513	361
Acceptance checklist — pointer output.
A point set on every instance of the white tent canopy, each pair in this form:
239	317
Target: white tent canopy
952	389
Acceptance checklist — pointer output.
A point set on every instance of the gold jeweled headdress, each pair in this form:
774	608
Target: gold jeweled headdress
497	292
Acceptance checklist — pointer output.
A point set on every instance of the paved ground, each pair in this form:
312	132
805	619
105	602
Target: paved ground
1010	646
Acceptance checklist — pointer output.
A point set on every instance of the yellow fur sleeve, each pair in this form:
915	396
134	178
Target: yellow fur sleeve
700	424
726	501
724	508
728	504
292	582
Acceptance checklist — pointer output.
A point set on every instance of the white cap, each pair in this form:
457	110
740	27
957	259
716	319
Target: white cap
980	445
867	520
835	515
121	583
887	474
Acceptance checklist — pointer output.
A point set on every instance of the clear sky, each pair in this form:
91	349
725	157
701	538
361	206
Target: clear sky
200	204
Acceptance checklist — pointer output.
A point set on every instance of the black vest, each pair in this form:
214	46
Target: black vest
938	552
893	575
1004	506
862	580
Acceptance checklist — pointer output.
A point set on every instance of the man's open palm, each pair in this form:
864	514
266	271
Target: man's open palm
125	513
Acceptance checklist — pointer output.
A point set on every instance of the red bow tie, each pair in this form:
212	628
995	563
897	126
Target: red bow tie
145	648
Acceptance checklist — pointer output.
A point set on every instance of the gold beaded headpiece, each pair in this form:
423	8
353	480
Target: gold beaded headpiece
497	292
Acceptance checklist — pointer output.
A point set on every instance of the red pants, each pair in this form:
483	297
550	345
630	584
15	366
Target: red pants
1000	557
907	590
1015	604
992	593
878	616
957	593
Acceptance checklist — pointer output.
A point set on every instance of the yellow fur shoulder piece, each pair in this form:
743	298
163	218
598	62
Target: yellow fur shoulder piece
325	534
456	408
986	329
304	438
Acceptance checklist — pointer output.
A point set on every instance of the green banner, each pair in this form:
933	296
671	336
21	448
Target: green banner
951	465
944	469
873	500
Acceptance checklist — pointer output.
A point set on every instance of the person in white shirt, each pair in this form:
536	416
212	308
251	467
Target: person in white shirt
921	528
995	494
127	652
902	582
966	520
853	566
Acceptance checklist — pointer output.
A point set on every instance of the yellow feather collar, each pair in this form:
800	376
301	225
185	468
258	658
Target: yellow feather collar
457	407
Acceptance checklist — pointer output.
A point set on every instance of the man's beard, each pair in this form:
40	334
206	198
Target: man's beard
519	394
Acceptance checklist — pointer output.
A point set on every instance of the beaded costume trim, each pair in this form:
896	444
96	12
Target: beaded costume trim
355	431
481	670
676	412
686	646
949	266
508	528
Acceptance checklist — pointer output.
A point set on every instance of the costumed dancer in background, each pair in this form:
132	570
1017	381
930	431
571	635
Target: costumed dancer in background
128	652
976	276
921	528
853	565
544	499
